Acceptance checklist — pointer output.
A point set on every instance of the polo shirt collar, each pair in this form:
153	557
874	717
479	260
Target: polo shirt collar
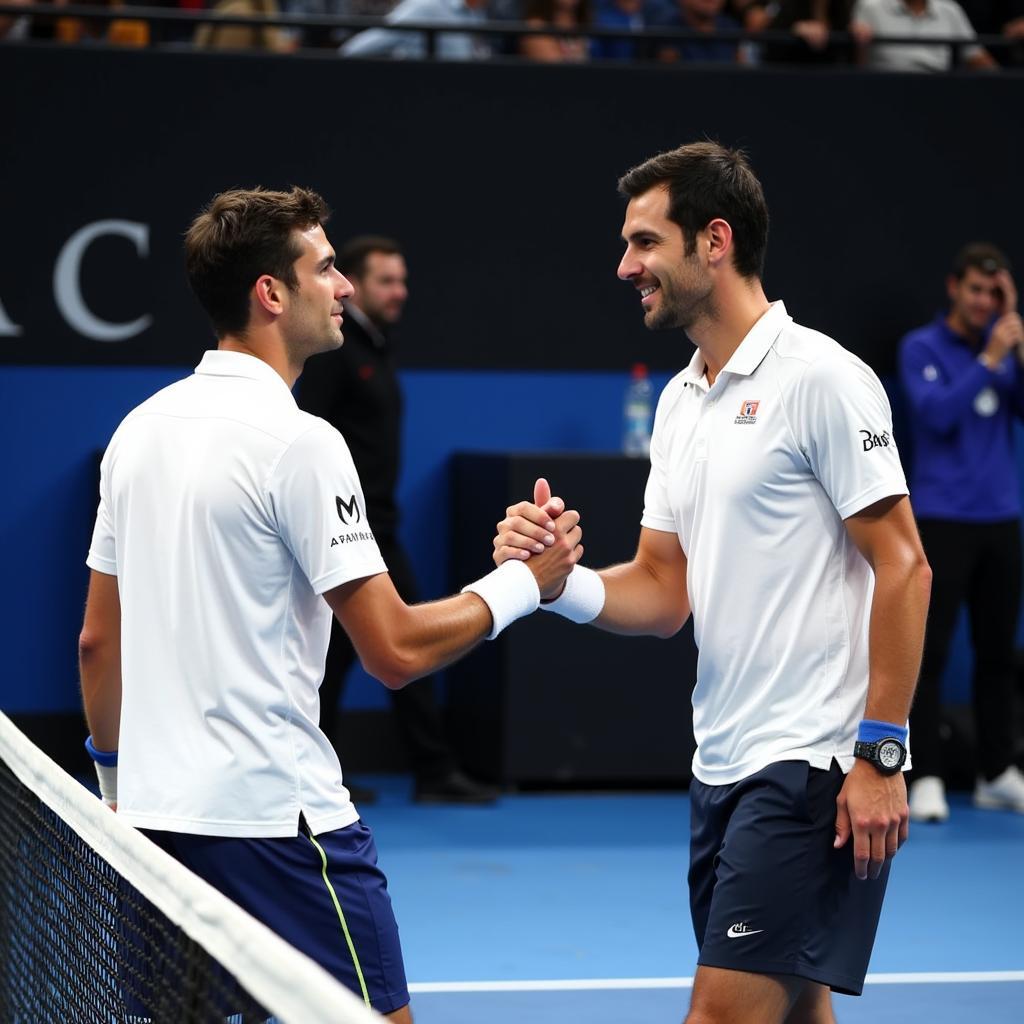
694	372
754	347
218	363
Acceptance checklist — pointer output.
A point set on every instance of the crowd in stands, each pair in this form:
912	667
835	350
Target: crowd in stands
806	30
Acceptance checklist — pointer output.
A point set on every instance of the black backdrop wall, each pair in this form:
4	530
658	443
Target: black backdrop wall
501	179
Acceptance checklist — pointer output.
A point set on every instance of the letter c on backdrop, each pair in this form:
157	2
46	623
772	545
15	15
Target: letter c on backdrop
67	288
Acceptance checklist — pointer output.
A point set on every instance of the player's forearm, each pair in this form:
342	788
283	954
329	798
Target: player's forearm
899	609
99	665
423	638
640	602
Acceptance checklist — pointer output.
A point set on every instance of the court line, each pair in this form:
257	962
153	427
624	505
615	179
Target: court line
597	984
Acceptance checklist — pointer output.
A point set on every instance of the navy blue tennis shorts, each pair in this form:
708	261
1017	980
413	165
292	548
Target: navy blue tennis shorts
768	892
323	894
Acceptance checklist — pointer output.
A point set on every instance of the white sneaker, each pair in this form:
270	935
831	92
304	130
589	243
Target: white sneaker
1004	793
928	799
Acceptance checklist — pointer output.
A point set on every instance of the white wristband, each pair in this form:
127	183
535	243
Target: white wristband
583	596
510	592
107	775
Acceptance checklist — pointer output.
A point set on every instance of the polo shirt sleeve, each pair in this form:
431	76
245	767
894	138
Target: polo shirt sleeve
657	508
843	424
320	512
103	548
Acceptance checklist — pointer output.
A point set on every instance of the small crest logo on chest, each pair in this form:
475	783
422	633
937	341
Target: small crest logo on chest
748	412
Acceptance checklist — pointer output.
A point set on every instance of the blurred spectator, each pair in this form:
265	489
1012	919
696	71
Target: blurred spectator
331	38
382	42
812	22
922	19
963	377
506	10
13	27
1014	29
634	15
705	16
120	31
176	32
245	37
999	18
569	14
754	16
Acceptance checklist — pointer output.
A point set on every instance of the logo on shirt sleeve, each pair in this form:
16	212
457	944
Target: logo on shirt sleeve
349	514
870	440
350	507
748	412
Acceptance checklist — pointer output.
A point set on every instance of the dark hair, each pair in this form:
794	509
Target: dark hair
979	256
352	256
241	235
705	181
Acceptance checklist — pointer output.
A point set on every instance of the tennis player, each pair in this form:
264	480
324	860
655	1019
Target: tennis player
777	513
230	526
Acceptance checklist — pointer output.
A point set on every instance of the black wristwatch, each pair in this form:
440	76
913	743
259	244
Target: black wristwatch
887	755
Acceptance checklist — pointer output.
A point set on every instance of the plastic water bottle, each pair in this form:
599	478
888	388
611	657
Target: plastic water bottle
637	412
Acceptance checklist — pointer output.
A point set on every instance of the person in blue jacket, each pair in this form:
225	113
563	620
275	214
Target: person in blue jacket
964	377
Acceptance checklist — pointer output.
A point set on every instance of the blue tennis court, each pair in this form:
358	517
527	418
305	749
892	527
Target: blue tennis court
556	908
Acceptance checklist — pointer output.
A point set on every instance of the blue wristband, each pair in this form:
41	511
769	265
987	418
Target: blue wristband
107	758
871	731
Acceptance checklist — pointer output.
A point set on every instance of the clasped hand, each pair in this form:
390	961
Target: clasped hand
546	534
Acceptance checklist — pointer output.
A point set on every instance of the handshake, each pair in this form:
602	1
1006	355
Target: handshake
536	550
545	530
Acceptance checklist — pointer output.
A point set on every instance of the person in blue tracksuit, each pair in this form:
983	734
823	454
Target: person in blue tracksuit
964	378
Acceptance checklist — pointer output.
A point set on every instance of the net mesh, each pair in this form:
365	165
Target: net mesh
82	939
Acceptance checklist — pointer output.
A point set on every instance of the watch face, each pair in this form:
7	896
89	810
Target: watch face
889	753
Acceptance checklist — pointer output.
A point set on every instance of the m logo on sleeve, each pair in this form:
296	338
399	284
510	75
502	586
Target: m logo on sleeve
870	440
348	513
348	508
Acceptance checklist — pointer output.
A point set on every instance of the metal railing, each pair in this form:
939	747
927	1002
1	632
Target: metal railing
156	17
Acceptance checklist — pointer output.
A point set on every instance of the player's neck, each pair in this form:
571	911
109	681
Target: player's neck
274	355
738	305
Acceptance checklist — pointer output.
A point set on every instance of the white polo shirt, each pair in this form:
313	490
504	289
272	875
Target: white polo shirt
756	476
225	513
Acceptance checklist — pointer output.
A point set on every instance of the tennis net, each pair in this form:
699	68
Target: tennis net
99	925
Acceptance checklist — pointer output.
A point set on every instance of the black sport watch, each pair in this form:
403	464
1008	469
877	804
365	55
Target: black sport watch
887	755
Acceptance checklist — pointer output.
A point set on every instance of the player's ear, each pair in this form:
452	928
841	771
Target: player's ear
269	293
716	238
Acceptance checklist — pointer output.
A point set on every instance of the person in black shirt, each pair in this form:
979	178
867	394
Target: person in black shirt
356	389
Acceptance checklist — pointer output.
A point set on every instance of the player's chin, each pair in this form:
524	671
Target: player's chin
328	342
659	320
